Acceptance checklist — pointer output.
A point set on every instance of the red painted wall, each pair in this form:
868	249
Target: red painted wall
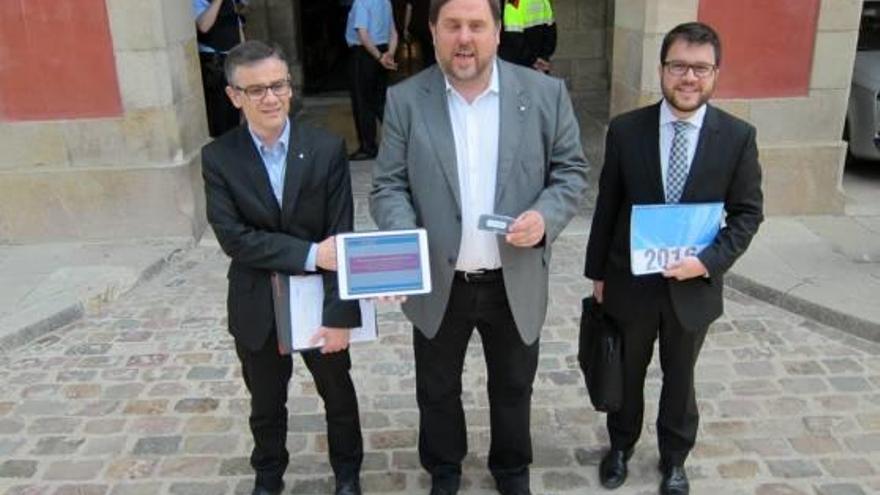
56	60
767	45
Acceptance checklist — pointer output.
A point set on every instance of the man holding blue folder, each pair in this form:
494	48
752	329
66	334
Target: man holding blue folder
688	154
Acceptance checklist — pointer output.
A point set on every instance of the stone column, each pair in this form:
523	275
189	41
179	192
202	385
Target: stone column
581	54
132	175
799	136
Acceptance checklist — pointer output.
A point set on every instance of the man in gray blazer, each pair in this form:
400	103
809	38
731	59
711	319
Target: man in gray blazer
475	135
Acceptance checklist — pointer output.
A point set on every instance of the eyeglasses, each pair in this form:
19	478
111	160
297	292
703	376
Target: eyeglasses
257	92
678	69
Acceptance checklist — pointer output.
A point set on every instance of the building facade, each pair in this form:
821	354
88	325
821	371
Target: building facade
101	140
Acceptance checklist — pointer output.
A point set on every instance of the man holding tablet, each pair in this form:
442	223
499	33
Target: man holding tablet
468	137
277	192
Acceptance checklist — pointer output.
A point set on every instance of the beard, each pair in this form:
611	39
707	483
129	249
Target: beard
685	104
467	72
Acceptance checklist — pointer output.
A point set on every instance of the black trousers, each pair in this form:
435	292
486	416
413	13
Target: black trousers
266	374
369	81
511	367
222	114
678	417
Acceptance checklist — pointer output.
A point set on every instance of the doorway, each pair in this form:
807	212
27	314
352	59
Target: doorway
324	51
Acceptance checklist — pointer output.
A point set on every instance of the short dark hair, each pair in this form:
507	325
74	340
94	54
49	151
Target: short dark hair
436	5
249	53
692	32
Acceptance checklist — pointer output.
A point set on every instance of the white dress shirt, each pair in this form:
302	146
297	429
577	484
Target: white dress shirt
667	132
475	127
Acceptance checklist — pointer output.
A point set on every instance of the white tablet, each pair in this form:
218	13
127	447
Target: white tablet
385	263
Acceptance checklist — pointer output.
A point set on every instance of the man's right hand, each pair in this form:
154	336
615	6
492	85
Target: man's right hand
598	290
326	258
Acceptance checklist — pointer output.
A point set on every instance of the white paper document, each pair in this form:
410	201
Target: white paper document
306	308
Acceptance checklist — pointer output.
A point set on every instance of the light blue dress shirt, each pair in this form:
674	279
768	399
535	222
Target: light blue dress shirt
275	161
373	15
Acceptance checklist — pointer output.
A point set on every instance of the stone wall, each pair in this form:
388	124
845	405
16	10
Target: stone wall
277	21
582	60
582	53
799	138
134	175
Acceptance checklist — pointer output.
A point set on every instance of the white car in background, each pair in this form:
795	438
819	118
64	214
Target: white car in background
862	128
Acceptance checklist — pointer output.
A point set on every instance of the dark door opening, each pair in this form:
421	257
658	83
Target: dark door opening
325	53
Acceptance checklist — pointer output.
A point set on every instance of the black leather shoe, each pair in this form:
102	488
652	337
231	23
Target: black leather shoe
436	490
675	480
261	490
445	486
515	491
516	485
360	155
612	469
350	487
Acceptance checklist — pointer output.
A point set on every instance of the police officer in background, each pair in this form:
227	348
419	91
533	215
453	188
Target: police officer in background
529	35
371	34
218	30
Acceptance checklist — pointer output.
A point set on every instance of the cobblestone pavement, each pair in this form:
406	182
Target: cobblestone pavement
146	398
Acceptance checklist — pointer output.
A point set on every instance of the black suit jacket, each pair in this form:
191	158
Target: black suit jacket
725	168
261	238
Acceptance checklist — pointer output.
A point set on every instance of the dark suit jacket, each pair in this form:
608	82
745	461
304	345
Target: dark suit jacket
725	168
262	239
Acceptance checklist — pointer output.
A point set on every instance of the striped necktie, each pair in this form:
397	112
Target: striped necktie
677	171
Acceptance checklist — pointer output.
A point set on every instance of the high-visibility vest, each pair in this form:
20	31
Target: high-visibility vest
522	14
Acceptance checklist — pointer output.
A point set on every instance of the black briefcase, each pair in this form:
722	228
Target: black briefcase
600	357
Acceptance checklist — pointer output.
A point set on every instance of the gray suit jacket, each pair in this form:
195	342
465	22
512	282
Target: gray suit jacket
541	166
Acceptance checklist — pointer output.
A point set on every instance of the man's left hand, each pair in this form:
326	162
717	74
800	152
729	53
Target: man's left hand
527	230
689	267
387	61
335	339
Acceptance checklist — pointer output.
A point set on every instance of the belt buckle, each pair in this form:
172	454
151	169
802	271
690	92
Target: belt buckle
475	273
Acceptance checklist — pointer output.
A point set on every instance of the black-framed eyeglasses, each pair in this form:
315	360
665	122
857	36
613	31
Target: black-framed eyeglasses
678	68
257	92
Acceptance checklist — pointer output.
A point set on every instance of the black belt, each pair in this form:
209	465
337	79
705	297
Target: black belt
479	276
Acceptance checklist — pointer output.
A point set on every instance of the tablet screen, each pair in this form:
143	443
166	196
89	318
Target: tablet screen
383	264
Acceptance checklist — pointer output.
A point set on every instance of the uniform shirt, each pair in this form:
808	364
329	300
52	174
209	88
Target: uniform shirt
275	162
373	15
667	132
475	127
